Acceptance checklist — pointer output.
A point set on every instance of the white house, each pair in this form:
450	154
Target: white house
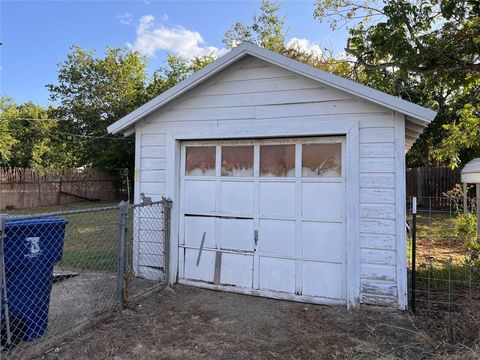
287	181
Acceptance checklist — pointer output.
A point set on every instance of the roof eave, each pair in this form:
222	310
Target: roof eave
419	114
177	90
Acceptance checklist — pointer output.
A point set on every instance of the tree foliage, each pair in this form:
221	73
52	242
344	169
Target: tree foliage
463	140
268	30
93	92
6	138
427	52
32	137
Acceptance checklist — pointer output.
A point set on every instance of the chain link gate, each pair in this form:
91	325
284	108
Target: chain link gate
64	270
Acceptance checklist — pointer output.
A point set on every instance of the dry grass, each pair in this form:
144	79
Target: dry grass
438	336
90	237
188	323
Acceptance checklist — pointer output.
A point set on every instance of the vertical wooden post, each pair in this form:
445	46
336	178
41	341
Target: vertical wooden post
40	201
465	198
59	194
420	180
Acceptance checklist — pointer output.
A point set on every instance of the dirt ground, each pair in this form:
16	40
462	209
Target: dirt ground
189	323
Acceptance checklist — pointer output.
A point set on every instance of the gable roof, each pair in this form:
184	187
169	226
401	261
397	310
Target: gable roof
416	113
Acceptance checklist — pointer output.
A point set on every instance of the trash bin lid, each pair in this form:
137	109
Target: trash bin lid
35	221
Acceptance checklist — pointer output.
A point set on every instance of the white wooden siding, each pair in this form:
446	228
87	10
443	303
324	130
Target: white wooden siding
259	94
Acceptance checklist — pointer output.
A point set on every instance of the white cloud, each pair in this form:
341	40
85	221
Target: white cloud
124	19
177	40
164	18
305	45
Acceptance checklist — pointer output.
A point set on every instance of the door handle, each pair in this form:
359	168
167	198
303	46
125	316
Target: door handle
255	236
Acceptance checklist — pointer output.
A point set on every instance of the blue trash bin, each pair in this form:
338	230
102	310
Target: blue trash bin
31	247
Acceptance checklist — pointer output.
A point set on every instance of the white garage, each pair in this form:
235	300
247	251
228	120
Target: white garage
286	181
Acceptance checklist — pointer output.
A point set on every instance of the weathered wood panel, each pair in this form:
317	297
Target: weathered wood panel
289	82
377	180
429	185
377	226
377	211
377	256
152	164
378	287
28	189
377	241
263	98
378	272
153	151
378	300
377	150
376	135
377	196
377	165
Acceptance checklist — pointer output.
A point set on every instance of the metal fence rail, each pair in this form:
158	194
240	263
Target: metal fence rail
62	270
446	255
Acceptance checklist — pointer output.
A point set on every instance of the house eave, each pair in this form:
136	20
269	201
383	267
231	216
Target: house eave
416	113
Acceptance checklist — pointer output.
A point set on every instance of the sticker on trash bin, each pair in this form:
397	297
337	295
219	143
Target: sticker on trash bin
34	246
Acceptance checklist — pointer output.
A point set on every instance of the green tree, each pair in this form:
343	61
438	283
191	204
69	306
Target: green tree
463	137
268	30
33	137
427	52
176	70
6	138
91	94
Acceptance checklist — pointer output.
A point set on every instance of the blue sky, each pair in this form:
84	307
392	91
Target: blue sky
36	35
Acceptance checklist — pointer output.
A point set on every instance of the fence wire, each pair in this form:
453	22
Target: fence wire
61	271
447	253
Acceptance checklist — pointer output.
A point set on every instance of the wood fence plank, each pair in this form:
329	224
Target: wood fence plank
429	184
27	188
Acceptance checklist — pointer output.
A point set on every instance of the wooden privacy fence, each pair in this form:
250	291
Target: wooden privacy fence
429	185
26	188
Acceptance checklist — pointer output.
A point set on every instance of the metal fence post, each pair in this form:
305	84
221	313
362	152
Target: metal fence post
414	252
167	205
121	254
3	284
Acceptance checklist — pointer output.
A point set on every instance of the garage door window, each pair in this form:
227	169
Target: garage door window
321	160
200	161
277	160
237	161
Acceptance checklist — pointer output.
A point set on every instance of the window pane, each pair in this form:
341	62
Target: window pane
319	160
200	161
277	160
237	161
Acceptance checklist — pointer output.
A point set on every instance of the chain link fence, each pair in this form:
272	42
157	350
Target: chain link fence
61	271
446	252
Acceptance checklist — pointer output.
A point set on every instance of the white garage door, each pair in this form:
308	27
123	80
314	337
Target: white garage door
267	216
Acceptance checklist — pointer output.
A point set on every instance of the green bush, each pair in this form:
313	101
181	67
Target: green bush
466	229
